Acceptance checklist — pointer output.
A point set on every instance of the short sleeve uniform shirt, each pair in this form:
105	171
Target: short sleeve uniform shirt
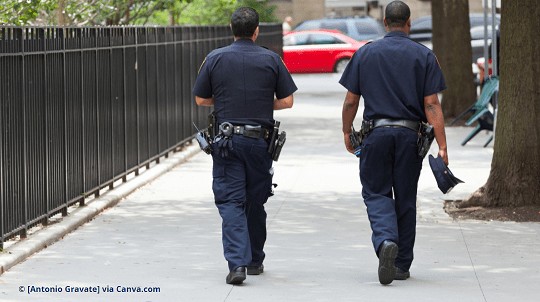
243	79
393	75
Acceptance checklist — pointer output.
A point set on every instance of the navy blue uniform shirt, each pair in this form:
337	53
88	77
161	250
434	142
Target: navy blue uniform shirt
393	75
243	79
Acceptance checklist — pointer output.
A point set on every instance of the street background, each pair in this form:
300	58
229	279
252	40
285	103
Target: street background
167	234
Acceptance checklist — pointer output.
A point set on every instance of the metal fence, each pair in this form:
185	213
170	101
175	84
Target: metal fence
81	108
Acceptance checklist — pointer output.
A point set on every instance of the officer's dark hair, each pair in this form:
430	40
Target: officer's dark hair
397	13
244	21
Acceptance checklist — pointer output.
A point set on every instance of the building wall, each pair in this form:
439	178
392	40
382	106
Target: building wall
301	10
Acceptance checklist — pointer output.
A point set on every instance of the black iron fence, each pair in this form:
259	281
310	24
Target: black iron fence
81	108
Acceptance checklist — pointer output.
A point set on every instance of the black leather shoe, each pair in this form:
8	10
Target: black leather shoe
236	276
387	255
255	270
401	274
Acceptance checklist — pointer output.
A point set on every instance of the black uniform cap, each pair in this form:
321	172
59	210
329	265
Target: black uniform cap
445	179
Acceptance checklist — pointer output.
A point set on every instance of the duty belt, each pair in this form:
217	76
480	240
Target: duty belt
252	131
415	126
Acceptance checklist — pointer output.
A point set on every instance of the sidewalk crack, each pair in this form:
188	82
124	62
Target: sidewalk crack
472	263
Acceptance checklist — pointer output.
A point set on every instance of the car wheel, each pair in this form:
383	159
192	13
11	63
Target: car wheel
340	65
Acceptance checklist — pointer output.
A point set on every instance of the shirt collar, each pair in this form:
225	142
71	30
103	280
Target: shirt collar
244	42
396	33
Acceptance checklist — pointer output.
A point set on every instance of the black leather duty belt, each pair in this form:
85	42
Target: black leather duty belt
415	126
252	131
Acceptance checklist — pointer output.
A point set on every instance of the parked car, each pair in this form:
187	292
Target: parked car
314	51
359	28
477	41
421	32
421	28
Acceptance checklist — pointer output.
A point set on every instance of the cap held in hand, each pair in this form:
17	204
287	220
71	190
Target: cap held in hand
445	179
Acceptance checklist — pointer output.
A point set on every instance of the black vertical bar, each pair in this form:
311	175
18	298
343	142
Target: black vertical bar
176	81
48	185
137	98
23	94
111	107
124	101
156	61
147	106
83	120
96	82
64	95
81	58
3	76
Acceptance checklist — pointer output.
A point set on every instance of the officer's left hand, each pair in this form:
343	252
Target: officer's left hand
348	144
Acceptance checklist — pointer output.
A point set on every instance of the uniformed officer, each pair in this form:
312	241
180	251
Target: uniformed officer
240	81
399	80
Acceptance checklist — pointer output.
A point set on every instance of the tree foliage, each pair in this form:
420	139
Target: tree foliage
16	12
206	12
127	12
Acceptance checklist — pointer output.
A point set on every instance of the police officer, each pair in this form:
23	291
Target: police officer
399	80
240	81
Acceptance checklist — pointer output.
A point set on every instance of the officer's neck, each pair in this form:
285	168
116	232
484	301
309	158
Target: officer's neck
252	38
404	30
244	39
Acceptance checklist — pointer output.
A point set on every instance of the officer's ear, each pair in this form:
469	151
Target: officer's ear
408	25
385	24
255	34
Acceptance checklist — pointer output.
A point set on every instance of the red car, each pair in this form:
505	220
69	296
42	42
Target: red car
318	51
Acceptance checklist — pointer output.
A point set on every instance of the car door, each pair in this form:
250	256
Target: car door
323	52
294	49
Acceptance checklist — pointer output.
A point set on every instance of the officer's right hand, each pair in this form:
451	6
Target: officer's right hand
444	155
348	144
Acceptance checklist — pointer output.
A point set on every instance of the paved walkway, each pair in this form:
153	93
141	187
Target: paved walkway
167	234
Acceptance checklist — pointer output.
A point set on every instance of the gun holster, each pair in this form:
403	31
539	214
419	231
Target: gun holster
277	140
356	141
357	137
426	135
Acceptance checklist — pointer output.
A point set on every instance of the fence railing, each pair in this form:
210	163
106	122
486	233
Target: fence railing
81	108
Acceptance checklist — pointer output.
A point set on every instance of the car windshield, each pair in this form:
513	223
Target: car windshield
477	32
336	25
300	39
368	31
421	24
324	39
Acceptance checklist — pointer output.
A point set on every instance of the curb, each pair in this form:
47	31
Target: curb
18	252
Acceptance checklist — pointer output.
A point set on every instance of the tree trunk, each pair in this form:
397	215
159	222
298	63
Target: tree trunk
514	179
451	44
60	14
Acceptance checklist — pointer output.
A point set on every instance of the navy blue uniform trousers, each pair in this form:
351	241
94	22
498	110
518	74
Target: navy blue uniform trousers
242	183
389	172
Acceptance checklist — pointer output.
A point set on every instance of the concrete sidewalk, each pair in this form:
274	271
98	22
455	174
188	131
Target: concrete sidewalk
166	236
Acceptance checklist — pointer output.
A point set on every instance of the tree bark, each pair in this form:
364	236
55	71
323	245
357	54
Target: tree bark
514	179
60	14
452	46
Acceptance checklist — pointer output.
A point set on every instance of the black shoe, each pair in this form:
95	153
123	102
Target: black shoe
255	270
236	276
387	255
401	274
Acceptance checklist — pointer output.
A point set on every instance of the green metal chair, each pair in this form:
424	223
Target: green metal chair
480	110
